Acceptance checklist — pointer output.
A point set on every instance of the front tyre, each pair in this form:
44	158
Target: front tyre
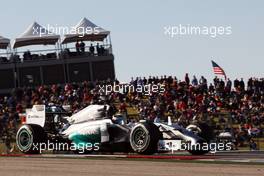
197	149
204	131
29	137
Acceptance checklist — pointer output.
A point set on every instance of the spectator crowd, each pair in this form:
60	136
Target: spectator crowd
184	100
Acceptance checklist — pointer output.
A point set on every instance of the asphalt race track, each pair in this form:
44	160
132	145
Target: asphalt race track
85	165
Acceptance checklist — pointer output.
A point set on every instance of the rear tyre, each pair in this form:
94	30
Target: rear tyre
199	150
144	138
29	137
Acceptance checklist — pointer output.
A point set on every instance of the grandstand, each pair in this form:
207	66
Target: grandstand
239	110
56	66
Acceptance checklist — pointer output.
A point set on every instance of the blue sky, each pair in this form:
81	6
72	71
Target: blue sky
137	31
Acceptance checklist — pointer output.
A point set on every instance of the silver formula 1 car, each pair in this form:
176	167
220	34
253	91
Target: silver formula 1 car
95	129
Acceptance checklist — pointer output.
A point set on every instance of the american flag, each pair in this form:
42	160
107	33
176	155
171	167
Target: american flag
218	70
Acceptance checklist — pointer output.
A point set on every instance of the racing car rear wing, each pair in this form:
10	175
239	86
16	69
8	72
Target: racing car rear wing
35	115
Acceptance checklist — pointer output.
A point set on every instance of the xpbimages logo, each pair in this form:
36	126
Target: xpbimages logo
62	30
125	88
177	145
211	31
60	146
